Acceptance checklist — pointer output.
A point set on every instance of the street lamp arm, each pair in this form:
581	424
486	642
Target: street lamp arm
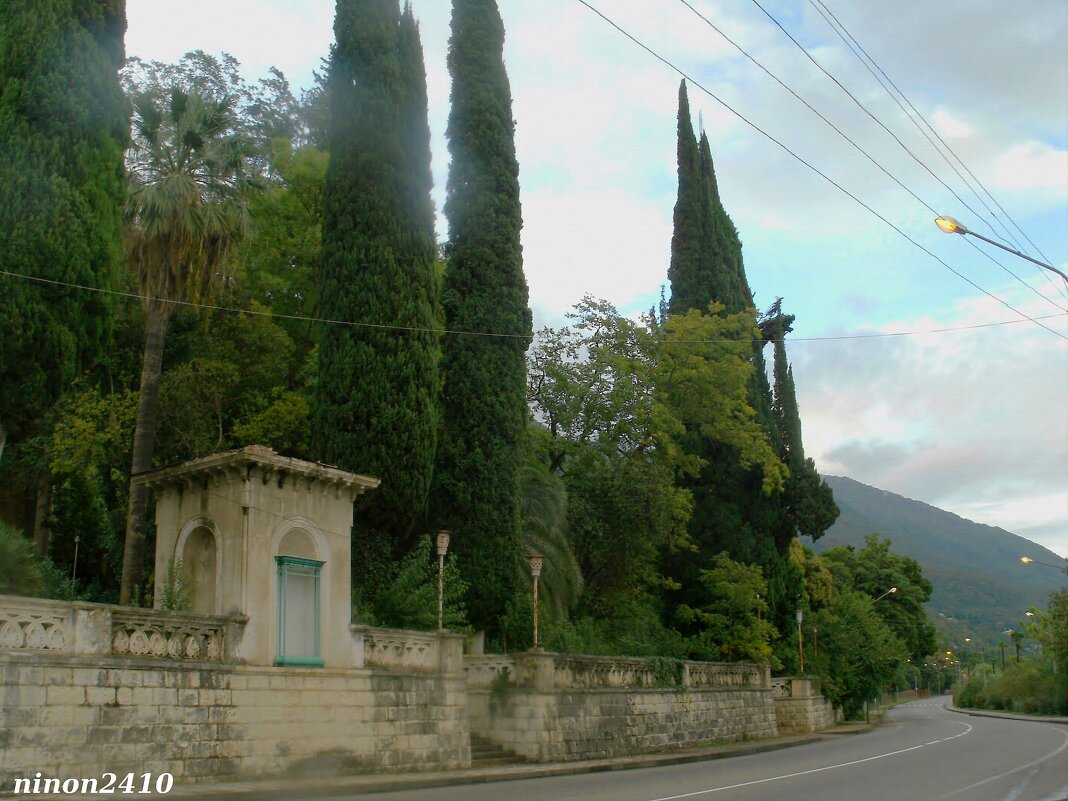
1021	255
888	592
951	226
1027	560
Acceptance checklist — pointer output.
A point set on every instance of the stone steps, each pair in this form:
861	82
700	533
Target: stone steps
485	754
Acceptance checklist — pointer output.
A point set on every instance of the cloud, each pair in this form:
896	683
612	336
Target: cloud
940	418
1033	166
950	127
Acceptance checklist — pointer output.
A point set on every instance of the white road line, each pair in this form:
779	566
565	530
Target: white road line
710	790
1014	770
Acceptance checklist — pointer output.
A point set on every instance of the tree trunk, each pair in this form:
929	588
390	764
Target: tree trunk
133	555
42	529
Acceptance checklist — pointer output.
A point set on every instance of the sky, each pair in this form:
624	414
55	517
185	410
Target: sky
974	419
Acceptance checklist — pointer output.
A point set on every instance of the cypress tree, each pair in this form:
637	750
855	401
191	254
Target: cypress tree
63	127
809	502
690	287
377	388
731	511
784	406
484	396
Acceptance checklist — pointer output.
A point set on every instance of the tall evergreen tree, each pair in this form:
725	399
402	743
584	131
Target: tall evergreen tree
483	403
63	126
378	379
732	510
809	503
690	286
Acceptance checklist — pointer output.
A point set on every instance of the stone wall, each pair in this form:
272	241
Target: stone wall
548	707
799	706
84	690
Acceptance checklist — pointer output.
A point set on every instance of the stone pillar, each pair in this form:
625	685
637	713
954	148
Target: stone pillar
91	627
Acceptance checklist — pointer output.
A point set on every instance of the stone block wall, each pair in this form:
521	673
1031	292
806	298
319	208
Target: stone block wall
80	717
799	706
549	707
88	688
545	726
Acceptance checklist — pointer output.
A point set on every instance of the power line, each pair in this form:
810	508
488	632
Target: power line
537	335
864	108
915	111
856	146
840	29
814	169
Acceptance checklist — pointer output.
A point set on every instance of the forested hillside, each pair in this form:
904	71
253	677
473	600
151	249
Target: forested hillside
976	571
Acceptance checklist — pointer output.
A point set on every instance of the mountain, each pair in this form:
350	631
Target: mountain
980	586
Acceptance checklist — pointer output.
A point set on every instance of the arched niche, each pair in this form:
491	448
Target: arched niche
198	550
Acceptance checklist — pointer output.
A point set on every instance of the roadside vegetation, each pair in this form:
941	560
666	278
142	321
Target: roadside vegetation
1036	684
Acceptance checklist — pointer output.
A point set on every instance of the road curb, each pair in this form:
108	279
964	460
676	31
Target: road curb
358	785
990	713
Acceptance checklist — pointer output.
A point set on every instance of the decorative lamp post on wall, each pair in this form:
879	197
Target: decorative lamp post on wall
536	560
443	547
800	645
74	564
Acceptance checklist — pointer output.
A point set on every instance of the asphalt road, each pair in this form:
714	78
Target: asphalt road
922	751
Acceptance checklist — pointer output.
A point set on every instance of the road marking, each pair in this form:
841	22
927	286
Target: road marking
1014	770
710	790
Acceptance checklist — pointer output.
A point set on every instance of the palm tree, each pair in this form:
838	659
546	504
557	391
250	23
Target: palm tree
543	508
185	210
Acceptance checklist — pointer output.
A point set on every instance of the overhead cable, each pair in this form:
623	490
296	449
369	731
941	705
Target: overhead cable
813	168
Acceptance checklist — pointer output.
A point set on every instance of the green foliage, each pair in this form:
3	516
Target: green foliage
177	596
410	601
667	671
266	112
377	388
703	372
86	450
63	125
593	384
633	628
186	208
706	256
731	625
873	570
1030	687
484	412
859	655
543	511
19	573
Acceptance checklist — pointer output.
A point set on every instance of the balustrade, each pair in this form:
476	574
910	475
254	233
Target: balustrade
399	649
484	671
167	635
31	624
575	671
35	625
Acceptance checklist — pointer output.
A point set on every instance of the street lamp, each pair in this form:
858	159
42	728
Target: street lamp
800	645
951	226
443	547
890	591
1027	560
536	560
